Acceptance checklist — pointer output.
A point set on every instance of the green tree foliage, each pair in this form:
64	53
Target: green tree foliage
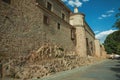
117	23
112	43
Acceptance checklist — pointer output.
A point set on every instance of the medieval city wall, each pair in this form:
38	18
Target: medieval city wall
97	48
90	37
90	44
22	29
77	21
57	7
29	27
103	52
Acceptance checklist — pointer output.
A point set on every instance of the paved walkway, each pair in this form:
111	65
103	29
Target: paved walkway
107	70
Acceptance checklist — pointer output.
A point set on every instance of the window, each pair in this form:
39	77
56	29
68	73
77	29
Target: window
72	34
49	6
58	25
45	20
63	16
7	1
91	43
87	44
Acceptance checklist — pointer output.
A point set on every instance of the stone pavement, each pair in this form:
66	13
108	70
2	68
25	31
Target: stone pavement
106	70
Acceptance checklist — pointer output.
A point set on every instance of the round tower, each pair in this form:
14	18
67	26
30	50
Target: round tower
77	20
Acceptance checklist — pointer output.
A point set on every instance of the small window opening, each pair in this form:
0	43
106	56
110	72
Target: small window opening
63	16
87	44
72	34
91	43
58	25
7	1
46	20
49	6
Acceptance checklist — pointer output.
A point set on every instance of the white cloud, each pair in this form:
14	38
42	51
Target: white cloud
85	0
73	3
103	15
76	3
102	35
96	32
64	0
111	11
107	14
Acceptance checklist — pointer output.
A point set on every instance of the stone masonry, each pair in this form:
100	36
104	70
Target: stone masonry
76	20
84	35
97	49
41	37
23	28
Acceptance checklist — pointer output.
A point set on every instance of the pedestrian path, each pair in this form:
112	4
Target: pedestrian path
105	70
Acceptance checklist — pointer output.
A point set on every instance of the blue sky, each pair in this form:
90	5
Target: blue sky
100	14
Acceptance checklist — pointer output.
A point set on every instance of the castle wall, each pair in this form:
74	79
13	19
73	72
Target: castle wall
97	48
77	21
57	8
22	29
90	44
84	35
90	37
81	42
103	52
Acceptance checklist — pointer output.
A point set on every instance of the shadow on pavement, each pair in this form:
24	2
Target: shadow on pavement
118	76
116	69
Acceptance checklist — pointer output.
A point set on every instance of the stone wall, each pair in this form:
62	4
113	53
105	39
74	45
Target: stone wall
97	48
77	20
58	8
22	29
81	49
41	63
90	37
103	52
84	35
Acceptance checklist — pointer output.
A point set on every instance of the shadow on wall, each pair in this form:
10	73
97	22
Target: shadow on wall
116	69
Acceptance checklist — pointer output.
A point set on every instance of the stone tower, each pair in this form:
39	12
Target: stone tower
77	20
97	48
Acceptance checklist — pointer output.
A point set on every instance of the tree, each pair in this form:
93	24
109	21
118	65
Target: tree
112	43
117	23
